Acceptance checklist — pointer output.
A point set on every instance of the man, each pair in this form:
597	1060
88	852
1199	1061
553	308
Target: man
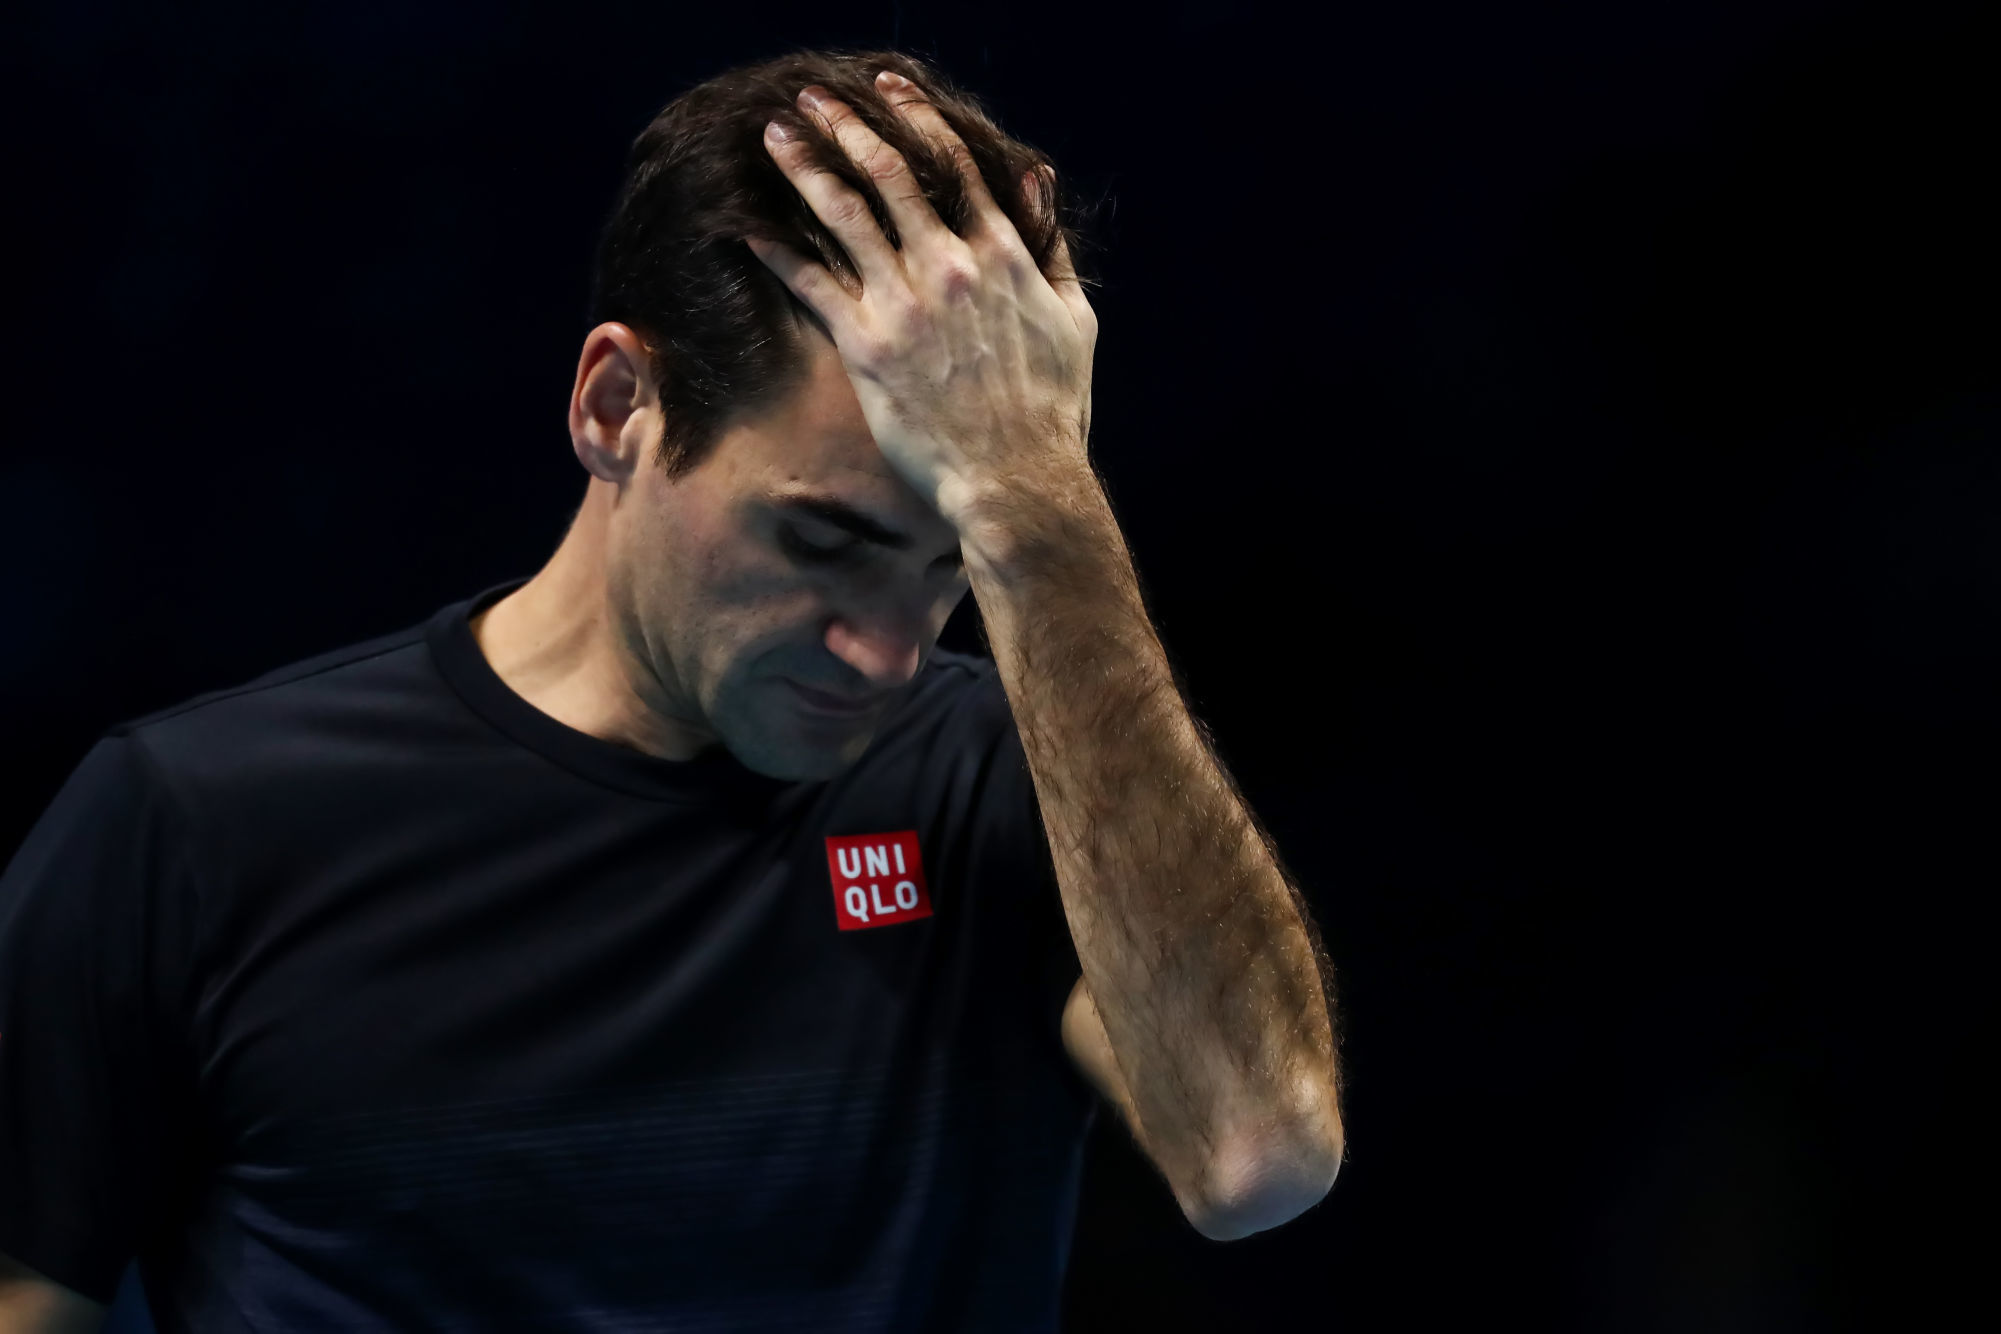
675	939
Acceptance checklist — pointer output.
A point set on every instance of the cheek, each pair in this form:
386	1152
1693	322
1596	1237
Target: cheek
715	602
715	567
746	608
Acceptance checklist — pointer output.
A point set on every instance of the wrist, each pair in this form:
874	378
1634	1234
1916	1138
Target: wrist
1009	526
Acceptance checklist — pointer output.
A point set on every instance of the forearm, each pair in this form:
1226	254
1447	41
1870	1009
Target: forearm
1204	968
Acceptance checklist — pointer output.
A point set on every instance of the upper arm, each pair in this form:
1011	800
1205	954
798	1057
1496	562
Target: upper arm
1091	1052
1084	1038
1268	1199
32	1304
98	1107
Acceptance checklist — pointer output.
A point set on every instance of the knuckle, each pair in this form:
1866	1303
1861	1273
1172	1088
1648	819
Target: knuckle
909	312
813	285
847	208
958	276
885	164
873	347
1007	249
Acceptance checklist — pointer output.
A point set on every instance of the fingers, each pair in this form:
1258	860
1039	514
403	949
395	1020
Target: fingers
1062	273
844	212
909	101
843	209
1041	184
811	282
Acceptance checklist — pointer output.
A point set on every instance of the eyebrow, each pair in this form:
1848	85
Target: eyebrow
846	517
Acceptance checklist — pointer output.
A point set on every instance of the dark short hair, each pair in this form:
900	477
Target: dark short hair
671	263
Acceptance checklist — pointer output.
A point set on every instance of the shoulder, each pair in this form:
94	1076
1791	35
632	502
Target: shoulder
250	732
335	669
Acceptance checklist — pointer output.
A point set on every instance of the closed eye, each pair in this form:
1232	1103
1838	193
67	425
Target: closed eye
808	552
798	546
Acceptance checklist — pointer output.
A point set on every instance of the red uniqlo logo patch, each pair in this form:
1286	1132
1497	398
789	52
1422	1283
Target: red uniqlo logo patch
878	880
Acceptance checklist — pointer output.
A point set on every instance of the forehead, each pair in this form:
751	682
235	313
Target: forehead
817	441
817	433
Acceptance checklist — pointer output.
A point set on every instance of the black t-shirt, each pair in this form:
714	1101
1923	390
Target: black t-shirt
368	996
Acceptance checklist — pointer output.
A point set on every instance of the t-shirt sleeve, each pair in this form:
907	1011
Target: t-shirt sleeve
96	1085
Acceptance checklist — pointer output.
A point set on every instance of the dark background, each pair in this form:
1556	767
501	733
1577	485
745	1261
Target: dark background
1559	443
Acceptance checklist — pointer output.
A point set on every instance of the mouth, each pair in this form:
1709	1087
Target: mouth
835	706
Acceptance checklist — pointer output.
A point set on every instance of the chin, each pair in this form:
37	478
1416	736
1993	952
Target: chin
800	759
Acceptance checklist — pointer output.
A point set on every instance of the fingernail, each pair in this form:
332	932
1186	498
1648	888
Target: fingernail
777	133
892	79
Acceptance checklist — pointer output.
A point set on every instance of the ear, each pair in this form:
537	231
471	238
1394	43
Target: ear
613	405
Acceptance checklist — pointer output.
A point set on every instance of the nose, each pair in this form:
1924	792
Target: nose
886	650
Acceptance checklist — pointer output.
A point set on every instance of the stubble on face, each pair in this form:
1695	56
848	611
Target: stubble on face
716	617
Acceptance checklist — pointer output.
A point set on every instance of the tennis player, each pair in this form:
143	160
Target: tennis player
676	939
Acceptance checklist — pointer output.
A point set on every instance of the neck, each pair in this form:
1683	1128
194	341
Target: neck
555	642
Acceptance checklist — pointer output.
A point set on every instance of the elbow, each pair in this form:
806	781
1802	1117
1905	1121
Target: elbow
1257	1188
